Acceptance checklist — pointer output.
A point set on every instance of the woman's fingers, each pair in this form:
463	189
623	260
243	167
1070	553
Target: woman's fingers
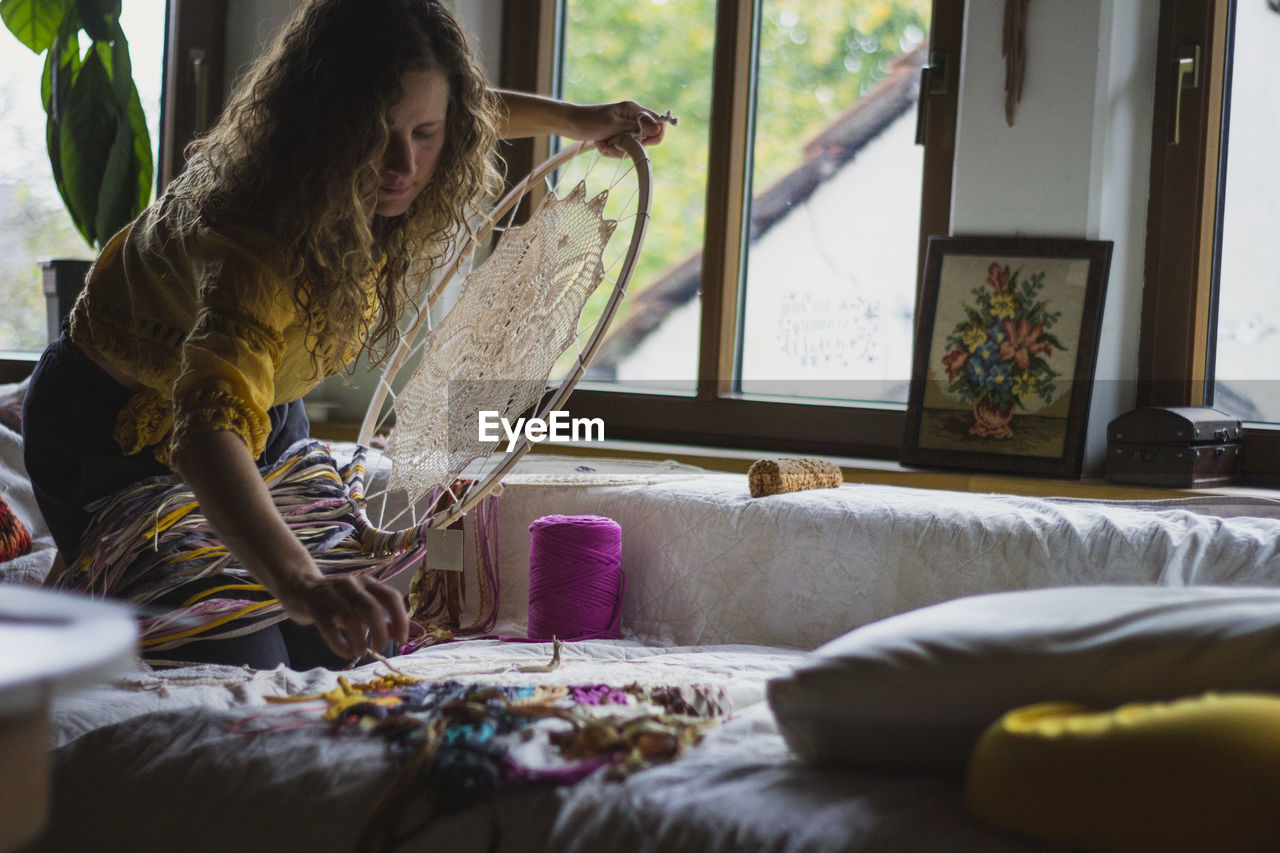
609	147
652	128
332	626
625	117
397	620
335	639
354	613
364	620
355	624
334	617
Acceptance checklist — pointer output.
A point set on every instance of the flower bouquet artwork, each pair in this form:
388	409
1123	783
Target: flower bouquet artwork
1004	353
998	359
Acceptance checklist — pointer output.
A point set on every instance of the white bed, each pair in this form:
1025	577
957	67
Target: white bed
707	563
723	591
145	771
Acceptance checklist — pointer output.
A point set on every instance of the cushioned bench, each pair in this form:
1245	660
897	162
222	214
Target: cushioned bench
706	563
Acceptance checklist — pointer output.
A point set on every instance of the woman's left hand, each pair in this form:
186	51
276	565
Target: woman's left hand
524	115
603	123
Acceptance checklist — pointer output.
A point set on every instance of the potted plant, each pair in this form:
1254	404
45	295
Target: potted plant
96	132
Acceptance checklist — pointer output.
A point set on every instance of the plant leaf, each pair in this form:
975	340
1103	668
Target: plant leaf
99	145
100	18
46	84
118	187
121	69
34	22
62	65
87	134
145	163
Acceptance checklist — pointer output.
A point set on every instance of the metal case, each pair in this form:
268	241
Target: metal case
1178	447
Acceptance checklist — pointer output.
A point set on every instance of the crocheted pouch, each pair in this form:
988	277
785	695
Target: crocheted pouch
14	538
776	476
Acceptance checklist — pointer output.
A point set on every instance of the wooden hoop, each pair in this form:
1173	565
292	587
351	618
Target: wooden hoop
476	491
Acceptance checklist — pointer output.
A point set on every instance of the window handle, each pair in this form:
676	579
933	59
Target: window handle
1186	78
933	81
200	81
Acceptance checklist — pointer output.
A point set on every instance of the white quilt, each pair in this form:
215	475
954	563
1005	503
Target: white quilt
707	563
721	590
156	764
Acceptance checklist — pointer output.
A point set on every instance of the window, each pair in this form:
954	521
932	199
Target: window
828	303
34	225
758	320
1246	358
1206	333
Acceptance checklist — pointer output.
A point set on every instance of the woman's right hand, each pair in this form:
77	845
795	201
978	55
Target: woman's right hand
352	612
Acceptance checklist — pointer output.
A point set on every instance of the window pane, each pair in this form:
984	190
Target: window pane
1248	351
659	53
835	215
34	226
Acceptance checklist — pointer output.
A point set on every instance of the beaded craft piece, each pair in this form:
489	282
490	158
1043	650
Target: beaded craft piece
461	742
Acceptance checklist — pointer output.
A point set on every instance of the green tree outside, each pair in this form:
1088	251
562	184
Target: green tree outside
816	58
38	228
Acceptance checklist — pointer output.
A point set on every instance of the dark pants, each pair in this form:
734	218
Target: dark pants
68	427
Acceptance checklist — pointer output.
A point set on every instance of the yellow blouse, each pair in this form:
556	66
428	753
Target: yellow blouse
206	324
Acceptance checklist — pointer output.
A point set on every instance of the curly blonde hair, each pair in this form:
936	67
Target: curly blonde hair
298	148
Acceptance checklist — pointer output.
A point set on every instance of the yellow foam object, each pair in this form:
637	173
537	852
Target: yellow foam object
1197	774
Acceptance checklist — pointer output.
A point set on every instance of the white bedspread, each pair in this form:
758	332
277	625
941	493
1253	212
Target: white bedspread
739	670
721	588
707	563
155	764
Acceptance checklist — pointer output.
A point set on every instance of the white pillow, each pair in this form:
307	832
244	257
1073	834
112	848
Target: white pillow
914	692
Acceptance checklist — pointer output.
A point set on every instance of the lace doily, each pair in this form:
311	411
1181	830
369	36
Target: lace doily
548	470
495	349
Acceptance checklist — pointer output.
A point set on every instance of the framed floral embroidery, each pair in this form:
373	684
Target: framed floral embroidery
1006	340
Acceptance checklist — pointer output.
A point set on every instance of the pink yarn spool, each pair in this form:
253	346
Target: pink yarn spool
575	578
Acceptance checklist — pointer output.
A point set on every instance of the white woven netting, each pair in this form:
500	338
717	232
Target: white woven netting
495	349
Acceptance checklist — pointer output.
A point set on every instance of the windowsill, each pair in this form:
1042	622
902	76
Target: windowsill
16	366
870	471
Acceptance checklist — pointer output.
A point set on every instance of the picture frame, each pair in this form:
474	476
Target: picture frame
1005	346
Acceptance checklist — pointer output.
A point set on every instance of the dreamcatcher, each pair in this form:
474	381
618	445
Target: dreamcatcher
527	321
533	305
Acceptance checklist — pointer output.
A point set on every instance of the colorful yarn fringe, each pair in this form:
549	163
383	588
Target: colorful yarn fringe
150	540
434	595
452	738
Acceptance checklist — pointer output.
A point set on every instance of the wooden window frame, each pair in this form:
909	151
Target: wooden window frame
716	415
194	68
1175	365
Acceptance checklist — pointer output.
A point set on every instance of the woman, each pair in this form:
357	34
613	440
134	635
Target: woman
349	153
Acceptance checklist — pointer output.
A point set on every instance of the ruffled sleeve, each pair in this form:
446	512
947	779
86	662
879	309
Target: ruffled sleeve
230	357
